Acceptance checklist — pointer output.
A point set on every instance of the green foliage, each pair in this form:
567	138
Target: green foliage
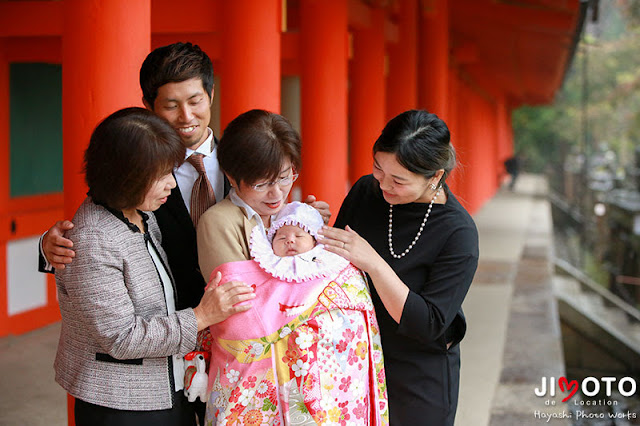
599	103
537	135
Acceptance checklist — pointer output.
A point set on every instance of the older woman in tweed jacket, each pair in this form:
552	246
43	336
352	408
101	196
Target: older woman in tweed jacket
122	341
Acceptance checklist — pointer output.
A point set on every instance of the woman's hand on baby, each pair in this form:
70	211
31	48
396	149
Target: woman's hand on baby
348	244
220	301
322	207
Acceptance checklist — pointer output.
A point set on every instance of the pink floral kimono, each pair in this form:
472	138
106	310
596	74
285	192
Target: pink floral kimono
308	351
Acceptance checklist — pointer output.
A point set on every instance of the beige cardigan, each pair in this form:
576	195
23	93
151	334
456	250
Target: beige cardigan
224	232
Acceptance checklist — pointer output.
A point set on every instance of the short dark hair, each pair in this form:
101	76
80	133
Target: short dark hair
421	142
172	64
256	144
127	152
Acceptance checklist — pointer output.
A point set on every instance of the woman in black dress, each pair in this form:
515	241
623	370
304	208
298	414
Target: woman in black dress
419	247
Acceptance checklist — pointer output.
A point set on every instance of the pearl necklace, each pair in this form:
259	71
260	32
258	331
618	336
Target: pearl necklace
415	240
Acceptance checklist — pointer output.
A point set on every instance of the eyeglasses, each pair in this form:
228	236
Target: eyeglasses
285	181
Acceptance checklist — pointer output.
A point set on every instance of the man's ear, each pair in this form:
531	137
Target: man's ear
213	93
146	104
232	182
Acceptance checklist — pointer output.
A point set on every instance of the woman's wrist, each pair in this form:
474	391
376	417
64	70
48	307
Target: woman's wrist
379	268
200	319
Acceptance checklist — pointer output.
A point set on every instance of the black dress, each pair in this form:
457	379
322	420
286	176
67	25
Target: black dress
422	374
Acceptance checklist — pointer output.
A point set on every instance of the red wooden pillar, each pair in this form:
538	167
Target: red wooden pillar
367	94
433	71
505	138
323	60
493	142
250	62
455	130
103	46
402	81
475	140
465	143
507	124
483	149
4	185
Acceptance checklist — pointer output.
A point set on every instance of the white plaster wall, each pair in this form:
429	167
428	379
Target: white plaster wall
26	287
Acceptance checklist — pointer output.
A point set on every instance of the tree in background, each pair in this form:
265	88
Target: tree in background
599	104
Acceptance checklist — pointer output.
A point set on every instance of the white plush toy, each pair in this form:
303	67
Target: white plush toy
196	380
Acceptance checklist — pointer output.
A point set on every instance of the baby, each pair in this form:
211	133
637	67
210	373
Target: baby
290	240
290	250
310	331
291	230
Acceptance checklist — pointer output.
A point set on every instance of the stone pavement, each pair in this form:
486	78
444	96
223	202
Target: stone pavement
29	396
512	341
513	338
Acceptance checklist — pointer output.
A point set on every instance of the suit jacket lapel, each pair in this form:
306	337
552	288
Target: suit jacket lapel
226	185
175	204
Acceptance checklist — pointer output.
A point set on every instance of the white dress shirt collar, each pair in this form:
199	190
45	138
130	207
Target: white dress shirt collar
235	199
205	149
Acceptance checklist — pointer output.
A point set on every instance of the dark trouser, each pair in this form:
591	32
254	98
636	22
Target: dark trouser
200	408
182	414
512	183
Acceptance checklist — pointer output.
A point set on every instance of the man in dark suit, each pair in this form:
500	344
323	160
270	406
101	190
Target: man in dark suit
512	166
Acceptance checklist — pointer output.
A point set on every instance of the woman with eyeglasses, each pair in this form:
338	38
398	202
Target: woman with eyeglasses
259	152
308	350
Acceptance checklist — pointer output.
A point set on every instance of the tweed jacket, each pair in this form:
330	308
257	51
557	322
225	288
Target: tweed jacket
117	338
224	232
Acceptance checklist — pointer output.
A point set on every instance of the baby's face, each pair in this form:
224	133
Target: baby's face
290	240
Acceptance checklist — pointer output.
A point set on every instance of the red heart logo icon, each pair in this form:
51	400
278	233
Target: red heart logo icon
571	386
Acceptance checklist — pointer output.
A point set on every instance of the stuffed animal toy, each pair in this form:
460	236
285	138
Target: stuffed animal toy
195	376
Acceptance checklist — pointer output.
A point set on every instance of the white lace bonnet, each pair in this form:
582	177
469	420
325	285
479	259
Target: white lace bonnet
315	263
300	214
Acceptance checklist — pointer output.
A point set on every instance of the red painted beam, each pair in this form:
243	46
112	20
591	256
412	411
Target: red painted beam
210	43
391	32
290	46
465	53
549	5
502	16
35	49
44	18
289	51
30	18
191	17
358	14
